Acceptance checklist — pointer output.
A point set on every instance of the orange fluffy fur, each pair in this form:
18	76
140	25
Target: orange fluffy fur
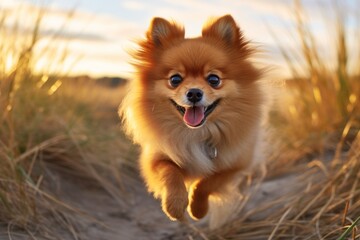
175	161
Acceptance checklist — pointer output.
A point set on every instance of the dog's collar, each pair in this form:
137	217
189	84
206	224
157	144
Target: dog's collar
212	152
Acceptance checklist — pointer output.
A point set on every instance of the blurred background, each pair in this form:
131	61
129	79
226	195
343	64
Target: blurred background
100	32
68	172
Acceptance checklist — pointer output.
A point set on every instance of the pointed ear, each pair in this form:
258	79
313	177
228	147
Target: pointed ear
162	31
224	29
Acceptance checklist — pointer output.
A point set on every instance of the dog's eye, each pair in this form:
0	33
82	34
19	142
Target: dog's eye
175	80
213	80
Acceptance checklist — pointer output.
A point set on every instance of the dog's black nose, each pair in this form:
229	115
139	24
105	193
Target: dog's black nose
194	95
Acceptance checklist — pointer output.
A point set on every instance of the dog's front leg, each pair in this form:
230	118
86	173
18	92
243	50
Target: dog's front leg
202	189
166	180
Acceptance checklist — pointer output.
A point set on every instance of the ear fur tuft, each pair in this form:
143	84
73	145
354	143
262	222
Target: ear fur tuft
162	31
223	28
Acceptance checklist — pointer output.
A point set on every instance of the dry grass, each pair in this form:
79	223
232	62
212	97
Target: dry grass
49	121
323	95
323	203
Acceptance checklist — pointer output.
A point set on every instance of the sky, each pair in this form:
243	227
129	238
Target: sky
99	33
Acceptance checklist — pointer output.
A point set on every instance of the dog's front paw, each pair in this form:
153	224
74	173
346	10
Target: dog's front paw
199	204
174	204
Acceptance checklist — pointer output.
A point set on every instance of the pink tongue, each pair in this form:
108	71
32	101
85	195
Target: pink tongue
194	115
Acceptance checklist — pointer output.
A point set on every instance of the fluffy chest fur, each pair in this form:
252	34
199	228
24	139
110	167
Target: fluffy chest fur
196	157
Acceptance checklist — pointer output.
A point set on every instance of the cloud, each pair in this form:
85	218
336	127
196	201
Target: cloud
10	3
133	5
98	40
101	40
102	35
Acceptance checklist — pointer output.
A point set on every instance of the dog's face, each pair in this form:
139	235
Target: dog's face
198	79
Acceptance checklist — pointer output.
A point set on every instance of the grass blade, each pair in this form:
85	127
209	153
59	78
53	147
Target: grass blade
349	229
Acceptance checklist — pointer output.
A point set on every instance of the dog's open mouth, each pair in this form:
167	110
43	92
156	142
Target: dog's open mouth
195	116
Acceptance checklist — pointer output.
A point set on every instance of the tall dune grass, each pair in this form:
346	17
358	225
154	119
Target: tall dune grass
48	119
319	115
322	98
320	203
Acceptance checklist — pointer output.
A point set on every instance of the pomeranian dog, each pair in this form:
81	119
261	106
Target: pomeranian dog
195	110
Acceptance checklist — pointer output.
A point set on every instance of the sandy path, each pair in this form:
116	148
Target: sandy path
139	217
